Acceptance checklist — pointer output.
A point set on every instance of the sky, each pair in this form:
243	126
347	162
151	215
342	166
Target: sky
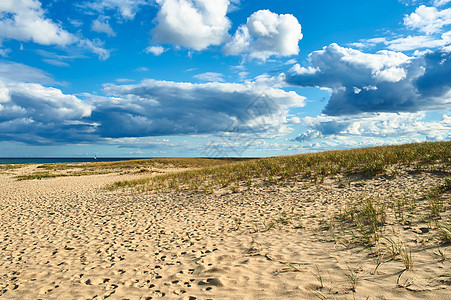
221	78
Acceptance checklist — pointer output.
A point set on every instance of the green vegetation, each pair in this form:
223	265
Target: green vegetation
406	257
368	216
10	167
365	162
121	167
162	163
353	278
38	175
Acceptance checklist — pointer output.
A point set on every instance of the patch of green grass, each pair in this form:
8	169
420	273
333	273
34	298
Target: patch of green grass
368	216
38	175
319	276
122	167
444	233
435	197
353	278
10	167
162	163
406	257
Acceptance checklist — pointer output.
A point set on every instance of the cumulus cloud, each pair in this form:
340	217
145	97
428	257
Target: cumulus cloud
428	19
102	25
266	34
4	93
386	81
153	108
391	74
155	50
193	24
384	125
36	114
25	20
432	30
127	9
436	80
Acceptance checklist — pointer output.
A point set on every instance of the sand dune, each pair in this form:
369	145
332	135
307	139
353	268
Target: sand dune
69	238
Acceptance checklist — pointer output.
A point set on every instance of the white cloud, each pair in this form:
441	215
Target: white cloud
124	80
302	70
14	72
57	59
102	25
49	103
294	120
142	69
367	43
155	50
36	114
96	46
392	74
75	23
153	108
415	42
378	62
194	24
441	2
383	125
55	62
4	52
385	81
126	8
428	19
4	93
25	20
384	65
210	76
243	74
266	34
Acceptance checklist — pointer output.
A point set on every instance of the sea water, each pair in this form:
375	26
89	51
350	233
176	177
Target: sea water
53	160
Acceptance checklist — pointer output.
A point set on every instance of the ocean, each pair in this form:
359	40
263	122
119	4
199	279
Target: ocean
53	160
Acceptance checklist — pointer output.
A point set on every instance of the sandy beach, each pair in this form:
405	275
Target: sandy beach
70	238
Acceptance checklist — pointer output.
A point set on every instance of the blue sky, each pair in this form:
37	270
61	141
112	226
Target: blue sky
165	78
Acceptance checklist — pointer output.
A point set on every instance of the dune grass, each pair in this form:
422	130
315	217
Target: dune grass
122	167
162	163
366	162
10	167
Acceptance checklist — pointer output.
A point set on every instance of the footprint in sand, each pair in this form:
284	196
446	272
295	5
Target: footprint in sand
211	282
96	281
47	289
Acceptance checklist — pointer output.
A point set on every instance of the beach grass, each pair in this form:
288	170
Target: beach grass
141	166
10	167
364	162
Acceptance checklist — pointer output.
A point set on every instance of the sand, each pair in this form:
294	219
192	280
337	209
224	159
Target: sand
69	238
